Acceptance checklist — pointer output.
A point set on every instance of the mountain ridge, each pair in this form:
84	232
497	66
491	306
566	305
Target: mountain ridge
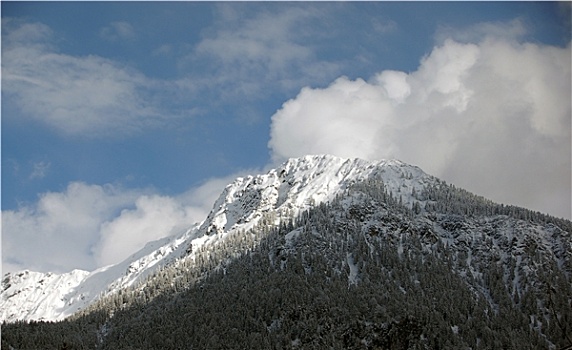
296	185
325	252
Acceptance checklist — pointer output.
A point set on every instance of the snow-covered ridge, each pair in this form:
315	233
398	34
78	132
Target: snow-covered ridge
35	295
28	295
296	185
304	182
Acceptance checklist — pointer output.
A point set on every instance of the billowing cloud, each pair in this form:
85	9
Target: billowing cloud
153	217
492	116
59	230
336	120
88	96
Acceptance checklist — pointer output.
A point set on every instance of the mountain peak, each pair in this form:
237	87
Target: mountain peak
300	183
293	187
272	198
269	241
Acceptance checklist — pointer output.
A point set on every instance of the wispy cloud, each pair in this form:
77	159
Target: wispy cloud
116	31
12	164
39	170
250	50
384	26
88	96
163	50
492	115
513	30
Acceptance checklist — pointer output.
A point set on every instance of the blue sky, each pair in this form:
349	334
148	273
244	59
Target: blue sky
122	121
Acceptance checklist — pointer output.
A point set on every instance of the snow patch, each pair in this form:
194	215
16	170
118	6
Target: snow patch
353	275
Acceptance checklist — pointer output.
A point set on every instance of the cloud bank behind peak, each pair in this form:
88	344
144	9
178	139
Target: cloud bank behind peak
493	117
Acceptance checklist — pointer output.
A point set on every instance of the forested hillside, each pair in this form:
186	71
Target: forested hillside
443	269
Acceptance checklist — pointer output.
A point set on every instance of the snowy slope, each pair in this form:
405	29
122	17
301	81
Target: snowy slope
35	295
293	187
30	295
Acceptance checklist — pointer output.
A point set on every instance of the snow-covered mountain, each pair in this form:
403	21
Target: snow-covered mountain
321	252
297	185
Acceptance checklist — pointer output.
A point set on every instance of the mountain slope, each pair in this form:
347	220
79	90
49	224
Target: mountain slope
325	252
30	295
297	185
353	276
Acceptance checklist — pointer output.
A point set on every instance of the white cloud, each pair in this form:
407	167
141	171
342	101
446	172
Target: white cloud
153	217
57	231
441	75
395	85
492	116
87	96
115	31
336	120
